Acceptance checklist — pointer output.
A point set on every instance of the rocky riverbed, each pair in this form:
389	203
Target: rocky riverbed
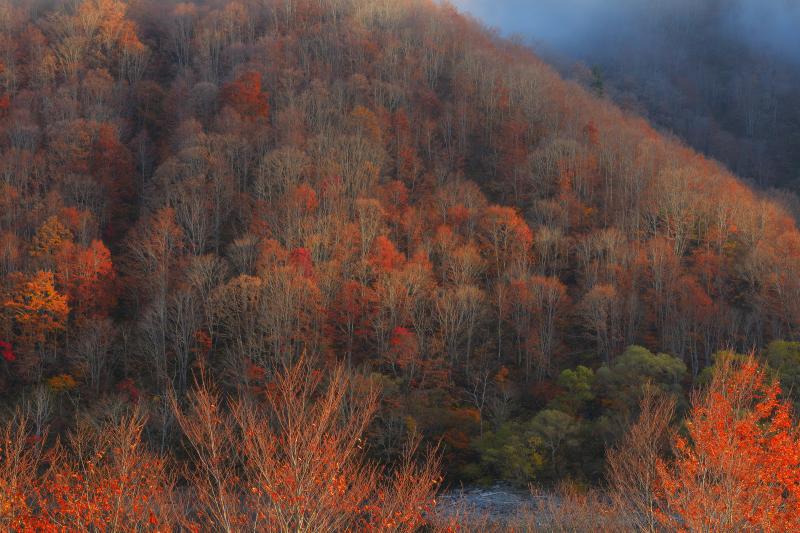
496	503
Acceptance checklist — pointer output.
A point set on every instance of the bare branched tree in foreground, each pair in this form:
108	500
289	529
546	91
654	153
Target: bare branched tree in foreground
295	461
632	462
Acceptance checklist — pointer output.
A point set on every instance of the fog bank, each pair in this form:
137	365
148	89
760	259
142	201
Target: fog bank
584	28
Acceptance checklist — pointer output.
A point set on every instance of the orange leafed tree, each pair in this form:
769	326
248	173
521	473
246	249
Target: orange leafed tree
738	467
105	479
102	479
19	461
37	312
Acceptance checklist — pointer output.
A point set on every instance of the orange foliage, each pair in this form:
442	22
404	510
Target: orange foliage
103	478
37	310
333	200
738	468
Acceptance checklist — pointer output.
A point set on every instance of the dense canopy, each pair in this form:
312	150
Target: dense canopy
203	204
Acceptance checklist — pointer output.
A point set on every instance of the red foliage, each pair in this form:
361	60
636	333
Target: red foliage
203	345
404	347
385	256
395	202
129	388
301	259
591	133
6	353
89	277
113	165
349	318
304	199
246	96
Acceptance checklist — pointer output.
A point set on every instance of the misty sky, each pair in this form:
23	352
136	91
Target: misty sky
575	26
557	23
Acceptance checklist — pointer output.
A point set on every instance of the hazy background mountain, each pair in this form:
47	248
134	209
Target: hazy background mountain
723	75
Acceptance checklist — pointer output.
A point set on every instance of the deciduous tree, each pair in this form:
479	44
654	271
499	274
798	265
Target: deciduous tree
738	467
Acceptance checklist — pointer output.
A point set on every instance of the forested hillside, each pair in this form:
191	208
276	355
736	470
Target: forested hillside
213	213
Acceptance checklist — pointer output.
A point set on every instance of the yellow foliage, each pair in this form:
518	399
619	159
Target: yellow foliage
62	383
36	307
49	238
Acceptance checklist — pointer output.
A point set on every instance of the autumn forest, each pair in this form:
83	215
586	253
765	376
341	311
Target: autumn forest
309	265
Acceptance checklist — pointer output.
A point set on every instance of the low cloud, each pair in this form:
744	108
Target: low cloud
587	28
